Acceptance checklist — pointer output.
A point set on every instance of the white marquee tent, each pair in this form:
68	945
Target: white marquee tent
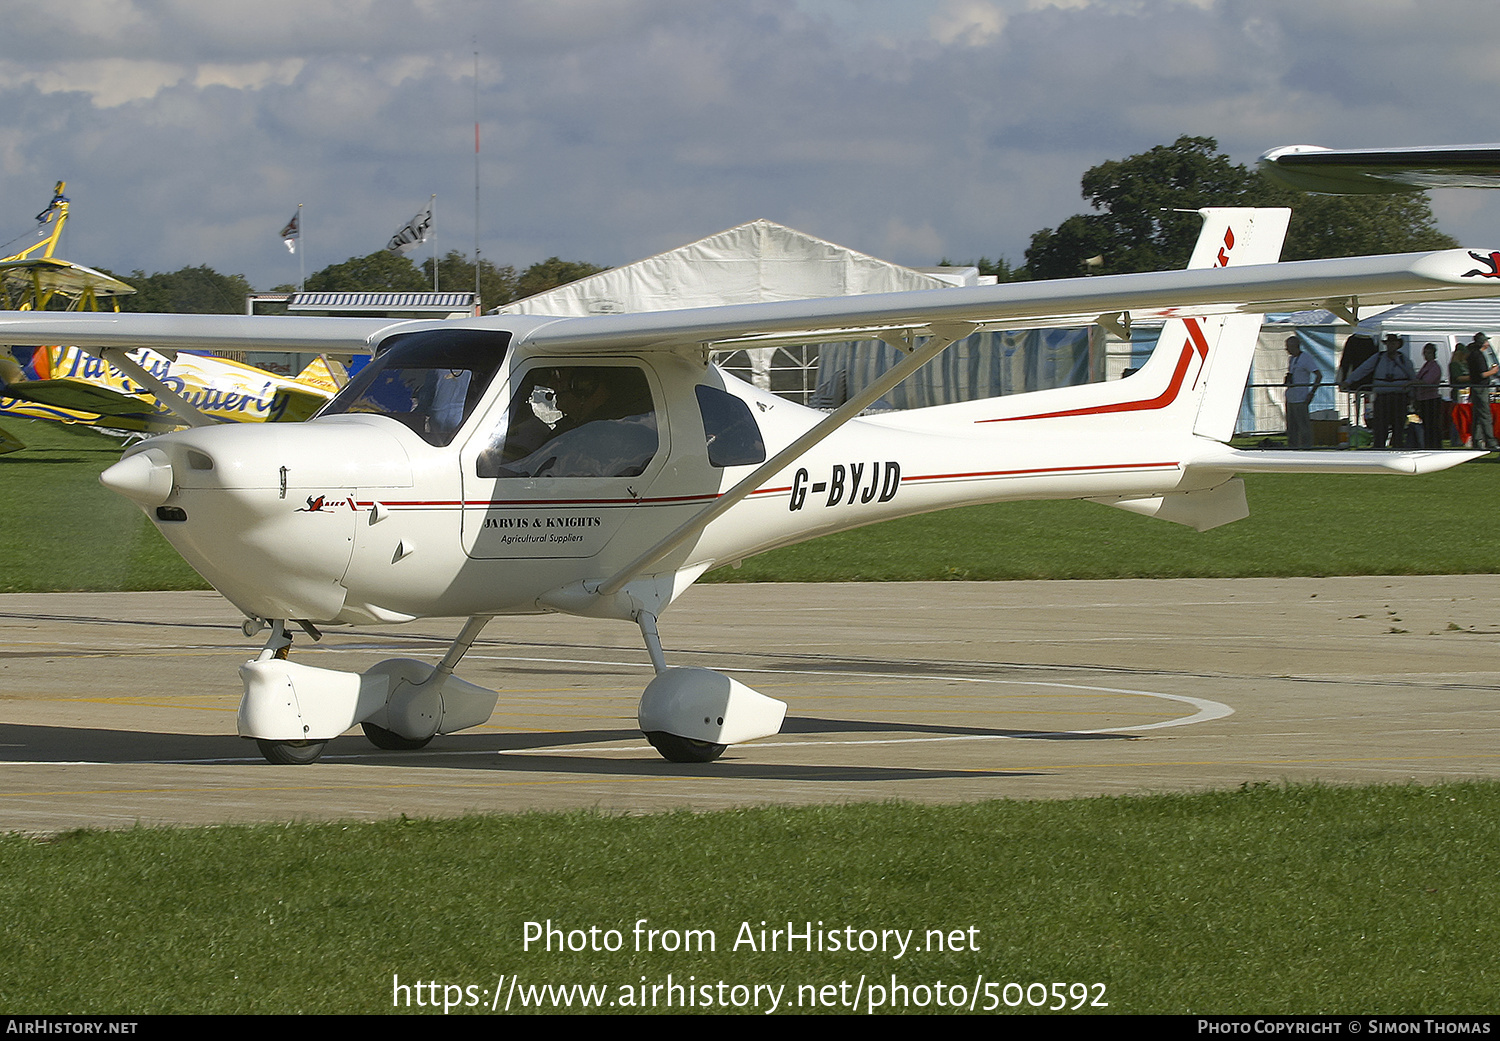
764	261
750	263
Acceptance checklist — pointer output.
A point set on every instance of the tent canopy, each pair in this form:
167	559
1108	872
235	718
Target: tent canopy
754	262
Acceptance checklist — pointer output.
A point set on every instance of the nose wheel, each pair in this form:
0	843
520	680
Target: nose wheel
279	646
290	753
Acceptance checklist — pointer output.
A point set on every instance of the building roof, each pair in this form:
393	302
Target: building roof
384	303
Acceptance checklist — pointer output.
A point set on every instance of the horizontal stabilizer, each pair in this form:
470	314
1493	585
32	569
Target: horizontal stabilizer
1231	460
1200	510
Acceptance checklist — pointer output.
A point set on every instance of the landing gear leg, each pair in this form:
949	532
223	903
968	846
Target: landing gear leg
673	748
382	737
285	753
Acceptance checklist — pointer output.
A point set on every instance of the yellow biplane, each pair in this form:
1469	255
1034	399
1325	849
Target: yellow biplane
138	390
30	282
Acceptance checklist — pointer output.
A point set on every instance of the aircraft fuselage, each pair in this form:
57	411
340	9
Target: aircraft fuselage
359	517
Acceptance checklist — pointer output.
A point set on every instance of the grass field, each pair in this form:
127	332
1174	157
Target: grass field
1265	899
60	530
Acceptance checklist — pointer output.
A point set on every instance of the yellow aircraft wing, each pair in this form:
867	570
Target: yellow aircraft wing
30	284
78	396
93	390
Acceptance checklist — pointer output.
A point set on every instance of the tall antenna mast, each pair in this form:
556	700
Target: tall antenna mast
478	303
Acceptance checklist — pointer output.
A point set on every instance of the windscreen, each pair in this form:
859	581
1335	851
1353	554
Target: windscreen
430	381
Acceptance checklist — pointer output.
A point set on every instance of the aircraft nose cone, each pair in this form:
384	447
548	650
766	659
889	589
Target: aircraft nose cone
145	477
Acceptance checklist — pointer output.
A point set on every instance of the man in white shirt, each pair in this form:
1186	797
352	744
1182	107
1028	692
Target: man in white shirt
1302	380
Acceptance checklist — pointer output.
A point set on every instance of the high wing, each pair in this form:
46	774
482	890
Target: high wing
1337	284
225	332
1340	285
1371	171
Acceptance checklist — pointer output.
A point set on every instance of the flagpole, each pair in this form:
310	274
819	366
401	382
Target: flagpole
432	211
301	253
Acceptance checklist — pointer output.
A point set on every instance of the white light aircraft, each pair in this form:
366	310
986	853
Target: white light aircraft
598	465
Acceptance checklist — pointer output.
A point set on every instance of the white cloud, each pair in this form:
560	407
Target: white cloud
616	128
972	22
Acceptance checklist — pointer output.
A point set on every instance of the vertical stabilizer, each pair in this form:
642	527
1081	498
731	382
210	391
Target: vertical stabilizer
1232	238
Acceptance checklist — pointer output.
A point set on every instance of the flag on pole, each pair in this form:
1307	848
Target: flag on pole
291	233
55	207
413	233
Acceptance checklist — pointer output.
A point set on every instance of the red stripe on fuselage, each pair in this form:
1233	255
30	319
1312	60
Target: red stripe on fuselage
1196	341
1039	471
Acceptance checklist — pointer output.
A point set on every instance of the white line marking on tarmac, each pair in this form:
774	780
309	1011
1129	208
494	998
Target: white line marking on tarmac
1206	710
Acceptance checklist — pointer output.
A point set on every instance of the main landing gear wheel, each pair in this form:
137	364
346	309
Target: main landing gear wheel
391	741
290	753
684	749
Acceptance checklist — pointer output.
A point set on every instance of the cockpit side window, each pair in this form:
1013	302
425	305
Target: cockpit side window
575	421
733	435
430	380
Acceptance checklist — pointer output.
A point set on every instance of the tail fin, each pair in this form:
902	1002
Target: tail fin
1213	494
1225	346
1232	238
325	373
1195	378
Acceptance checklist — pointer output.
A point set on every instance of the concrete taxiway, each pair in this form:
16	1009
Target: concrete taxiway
118	709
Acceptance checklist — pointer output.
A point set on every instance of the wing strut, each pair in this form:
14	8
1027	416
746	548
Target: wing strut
944	335
117	357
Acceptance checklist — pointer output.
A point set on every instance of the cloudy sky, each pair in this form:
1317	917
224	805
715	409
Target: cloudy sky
189	132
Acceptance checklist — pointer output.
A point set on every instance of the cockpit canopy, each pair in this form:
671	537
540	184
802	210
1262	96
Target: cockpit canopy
430	380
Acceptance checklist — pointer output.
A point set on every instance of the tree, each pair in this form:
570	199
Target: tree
380	272
1147	220
551	273
497	285
1359	225
192	290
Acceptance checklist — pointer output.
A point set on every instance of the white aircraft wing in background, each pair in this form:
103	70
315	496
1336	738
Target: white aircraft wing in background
1380	171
